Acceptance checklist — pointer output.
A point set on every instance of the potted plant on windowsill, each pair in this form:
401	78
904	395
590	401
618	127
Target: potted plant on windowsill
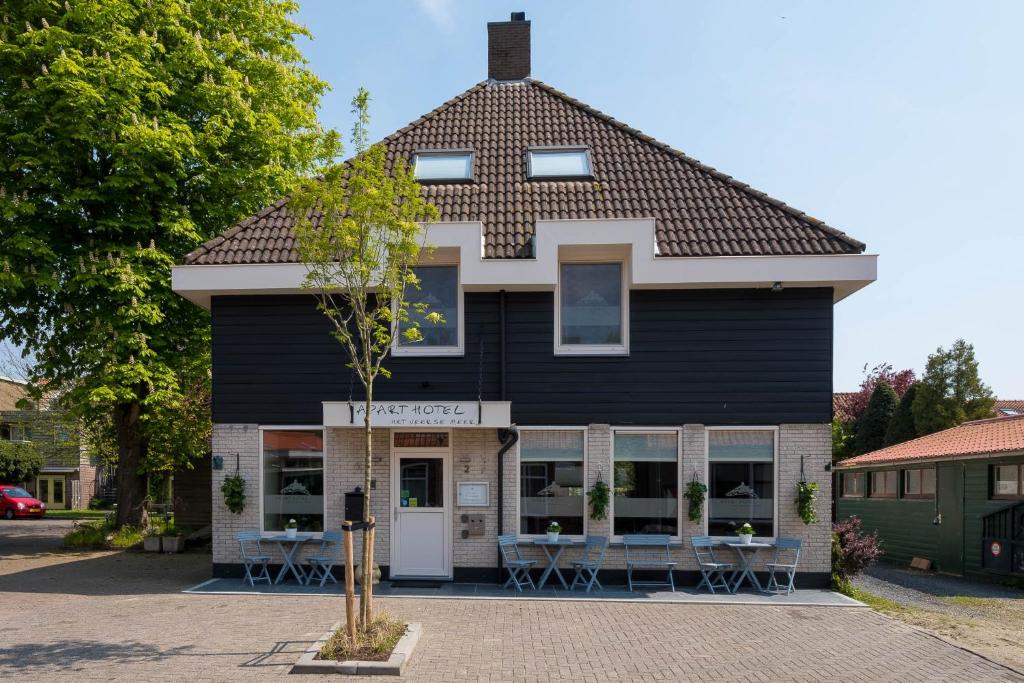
151	540
291	528
553	530
745	533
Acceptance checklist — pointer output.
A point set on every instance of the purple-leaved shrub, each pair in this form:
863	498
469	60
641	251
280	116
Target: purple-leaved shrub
852	552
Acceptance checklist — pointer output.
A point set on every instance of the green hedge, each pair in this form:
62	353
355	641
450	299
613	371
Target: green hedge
19	461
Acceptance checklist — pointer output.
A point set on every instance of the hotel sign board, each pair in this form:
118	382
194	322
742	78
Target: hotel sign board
419	414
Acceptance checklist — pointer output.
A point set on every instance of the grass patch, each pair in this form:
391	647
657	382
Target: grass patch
126	537
86	536
971	601
876	602
374	644
77	514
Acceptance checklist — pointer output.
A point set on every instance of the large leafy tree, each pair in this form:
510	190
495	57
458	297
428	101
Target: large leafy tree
132	130
901	426
951	390
360	234
883	373
873	424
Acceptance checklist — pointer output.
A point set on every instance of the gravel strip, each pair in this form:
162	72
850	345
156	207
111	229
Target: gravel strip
926	590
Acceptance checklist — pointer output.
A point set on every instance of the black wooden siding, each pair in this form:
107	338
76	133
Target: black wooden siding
700	356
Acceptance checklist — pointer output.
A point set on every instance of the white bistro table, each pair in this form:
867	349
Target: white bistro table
289	547
553	550
747	553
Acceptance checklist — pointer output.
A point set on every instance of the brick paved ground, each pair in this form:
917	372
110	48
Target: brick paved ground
118	616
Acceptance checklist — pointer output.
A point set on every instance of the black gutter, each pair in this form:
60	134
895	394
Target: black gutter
508	437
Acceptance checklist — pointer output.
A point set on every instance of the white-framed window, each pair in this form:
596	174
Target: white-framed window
592	309
645	489
292	478
552	479
440	166
558	163
20	433
919	483
854	484
742	480
438	292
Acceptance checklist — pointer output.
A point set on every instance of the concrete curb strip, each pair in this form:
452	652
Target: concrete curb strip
393	666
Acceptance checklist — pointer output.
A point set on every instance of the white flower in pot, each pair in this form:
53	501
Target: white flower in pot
291	528
553	530
746	533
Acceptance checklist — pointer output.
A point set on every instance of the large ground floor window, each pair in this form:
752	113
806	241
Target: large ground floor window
293	478
741	481
551	480
646	491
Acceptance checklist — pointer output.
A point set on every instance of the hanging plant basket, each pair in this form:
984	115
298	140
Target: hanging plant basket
695	493
806	501
598	498
233	489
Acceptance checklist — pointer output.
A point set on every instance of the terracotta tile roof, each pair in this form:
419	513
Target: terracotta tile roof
994	435
699	211
841	404
1008	407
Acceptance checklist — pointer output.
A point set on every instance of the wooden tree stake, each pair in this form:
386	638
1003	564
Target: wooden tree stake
350	584
370	538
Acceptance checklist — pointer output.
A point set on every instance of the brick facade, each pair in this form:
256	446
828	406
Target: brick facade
474	458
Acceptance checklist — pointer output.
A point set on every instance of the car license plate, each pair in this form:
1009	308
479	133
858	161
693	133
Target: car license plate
33	510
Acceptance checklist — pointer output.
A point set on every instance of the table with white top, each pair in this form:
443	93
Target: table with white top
289	547
553	550
747	553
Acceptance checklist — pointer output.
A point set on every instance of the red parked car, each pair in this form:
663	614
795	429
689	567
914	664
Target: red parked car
17	502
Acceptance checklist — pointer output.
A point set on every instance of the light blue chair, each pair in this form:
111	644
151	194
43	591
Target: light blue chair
711	570
253	557
648	551
518	568
327	555
787	556
590	563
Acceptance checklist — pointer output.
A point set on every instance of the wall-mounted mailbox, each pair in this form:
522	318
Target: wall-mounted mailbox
354	505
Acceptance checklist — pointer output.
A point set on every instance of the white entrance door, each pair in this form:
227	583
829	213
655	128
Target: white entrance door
421	541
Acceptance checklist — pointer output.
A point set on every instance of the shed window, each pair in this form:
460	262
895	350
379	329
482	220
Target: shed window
551	480
559	163
919	483
1008	481
854	484
443	166
884	484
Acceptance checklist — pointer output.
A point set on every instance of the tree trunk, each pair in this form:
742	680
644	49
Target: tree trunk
364	600
131	451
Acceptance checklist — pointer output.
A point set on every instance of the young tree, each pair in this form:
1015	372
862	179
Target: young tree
901	426
130	132
359	232
842	439
951	391
873	424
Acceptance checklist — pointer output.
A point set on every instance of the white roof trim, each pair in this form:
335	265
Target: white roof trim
633	238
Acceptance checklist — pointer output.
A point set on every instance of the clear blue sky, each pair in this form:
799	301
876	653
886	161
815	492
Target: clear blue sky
901	123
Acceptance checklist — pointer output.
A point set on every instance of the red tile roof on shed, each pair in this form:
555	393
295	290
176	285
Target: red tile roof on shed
699	211
993	435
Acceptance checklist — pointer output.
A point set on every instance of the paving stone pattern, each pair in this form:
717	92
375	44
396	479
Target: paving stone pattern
122	617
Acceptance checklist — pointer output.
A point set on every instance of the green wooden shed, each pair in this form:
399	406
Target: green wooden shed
955	497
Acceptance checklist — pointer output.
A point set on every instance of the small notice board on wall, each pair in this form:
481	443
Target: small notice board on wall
473	494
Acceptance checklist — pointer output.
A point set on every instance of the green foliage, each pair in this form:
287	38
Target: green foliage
19	461
93	535
373	643
598	497
806	501
901	426
745	529
842	439
131	132
554	528
233	489
951	391
873	424
127	536
695	494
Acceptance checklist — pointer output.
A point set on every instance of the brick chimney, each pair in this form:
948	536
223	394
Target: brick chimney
508	48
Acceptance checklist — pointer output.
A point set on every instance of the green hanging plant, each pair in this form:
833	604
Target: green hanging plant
599	494
806	501
695	493
233	489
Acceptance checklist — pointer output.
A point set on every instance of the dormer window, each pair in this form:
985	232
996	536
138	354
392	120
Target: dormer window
446	166
558	163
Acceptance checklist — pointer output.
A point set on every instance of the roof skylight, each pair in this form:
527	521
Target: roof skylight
443	166
558	162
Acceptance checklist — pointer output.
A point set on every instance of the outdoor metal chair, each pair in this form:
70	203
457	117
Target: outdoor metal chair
253	557
785	548
711	570
590	563
326	556
518	568
648	551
